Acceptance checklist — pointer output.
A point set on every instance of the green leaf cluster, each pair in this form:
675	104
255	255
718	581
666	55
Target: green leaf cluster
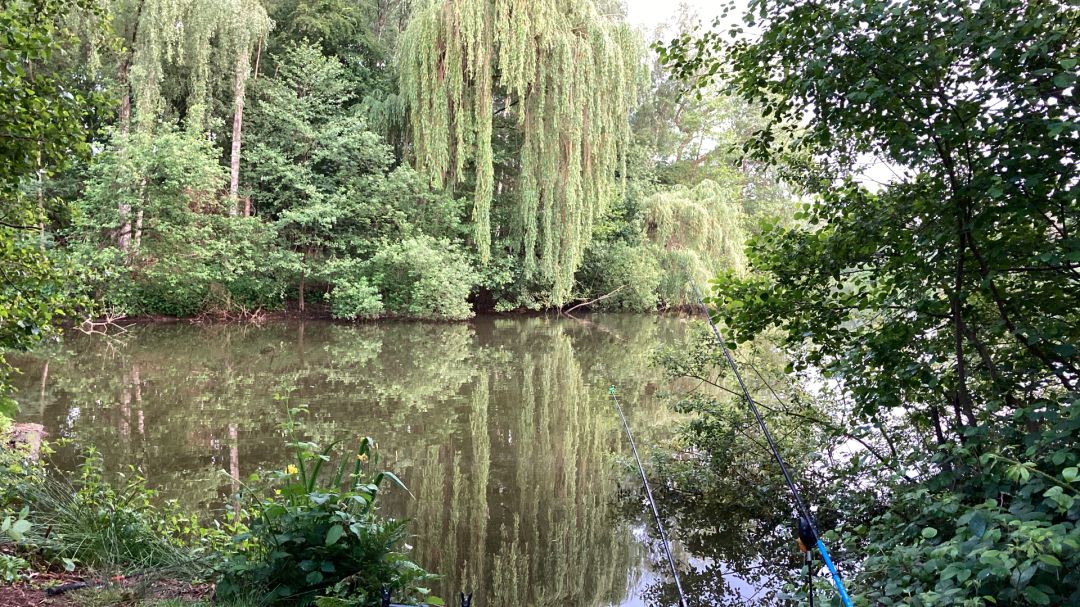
940	300
315	535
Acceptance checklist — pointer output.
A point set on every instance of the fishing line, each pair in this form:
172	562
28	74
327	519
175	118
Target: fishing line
652	502
804	512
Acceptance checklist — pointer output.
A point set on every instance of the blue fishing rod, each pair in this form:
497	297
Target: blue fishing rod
808	533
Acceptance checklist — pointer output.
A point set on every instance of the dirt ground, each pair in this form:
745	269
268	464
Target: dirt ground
113	591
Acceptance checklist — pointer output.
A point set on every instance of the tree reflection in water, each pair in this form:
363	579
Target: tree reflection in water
500	427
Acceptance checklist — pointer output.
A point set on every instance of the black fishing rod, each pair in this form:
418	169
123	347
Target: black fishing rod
806	523
652	502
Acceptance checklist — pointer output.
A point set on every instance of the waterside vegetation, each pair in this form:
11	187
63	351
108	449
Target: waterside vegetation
308	534
913	337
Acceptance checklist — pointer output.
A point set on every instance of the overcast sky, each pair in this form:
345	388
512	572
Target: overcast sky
650	13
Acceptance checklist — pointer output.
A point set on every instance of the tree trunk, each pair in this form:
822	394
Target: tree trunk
139	416
123	237
125	97
137	241
242	68
40	199
234	458
301	291
44	381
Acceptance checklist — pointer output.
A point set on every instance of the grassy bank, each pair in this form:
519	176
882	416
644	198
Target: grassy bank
308	534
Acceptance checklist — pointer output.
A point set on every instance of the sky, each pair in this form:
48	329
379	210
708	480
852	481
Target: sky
650	13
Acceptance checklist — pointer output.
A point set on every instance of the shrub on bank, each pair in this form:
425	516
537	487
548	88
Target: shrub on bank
354	299
153	234
83	520
424	277
626	275
310	533
315	533
317	537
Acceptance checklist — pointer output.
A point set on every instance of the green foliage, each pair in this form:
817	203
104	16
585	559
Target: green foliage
684	233
316	535
306	522
41	117
13	568
185	256
423	278
41	130
88	521
106	596
938	546
175	55
310	153
326	181
699	134
361	34
698	232
629	273
84	519
15	527
944	301
571	70
356	299
722	486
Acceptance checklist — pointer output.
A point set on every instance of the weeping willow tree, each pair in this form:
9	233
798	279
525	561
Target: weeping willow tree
566	74
246	23
699	231
197	39
174	52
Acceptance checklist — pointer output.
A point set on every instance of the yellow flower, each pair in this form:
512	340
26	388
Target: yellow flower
361	456
291	469
277	491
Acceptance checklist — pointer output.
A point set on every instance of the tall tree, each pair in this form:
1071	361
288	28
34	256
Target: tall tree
167	69
41	130
247	27
698	232
566	73
325	179
946	298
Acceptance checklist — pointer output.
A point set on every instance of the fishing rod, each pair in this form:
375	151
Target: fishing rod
807	526
652	502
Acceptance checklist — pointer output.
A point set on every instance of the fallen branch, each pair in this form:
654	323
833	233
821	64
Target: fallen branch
102	325
592	301
592	325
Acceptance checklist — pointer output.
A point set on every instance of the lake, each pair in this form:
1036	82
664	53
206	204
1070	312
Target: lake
502	428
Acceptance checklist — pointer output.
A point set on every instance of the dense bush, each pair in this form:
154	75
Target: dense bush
153	235
84	520
315	534
697	232
307	533
350	300
937	311
629	274
424	278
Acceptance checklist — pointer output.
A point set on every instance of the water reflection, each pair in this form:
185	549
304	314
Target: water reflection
500	427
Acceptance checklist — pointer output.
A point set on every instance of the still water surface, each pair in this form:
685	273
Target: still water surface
501	428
